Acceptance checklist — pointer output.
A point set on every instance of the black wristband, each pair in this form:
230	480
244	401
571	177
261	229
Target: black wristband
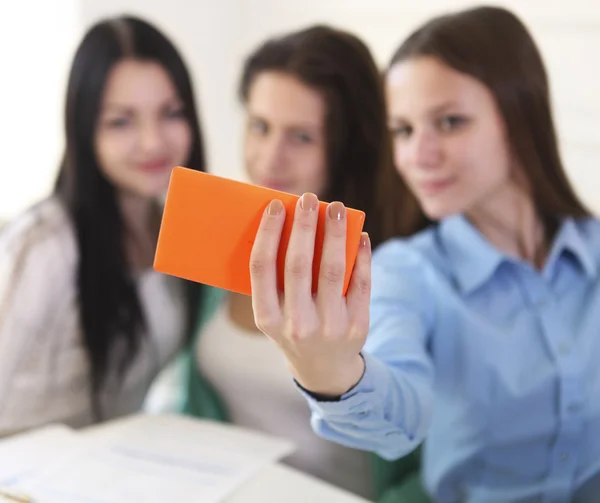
329	398
318	396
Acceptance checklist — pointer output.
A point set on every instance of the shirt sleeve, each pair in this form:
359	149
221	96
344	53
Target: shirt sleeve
32	282
389	410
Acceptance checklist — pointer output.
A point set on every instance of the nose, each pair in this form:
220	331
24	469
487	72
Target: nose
425	149
151	138
271	156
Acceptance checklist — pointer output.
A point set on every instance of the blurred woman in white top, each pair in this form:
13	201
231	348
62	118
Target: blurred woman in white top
85	323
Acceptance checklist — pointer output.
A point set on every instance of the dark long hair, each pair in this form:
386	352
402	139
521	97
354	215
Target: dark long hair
339	66
492	45
110	310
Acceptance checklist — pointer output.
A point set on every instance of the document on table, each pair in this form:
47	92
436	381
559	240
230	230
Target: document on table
155	459
27	453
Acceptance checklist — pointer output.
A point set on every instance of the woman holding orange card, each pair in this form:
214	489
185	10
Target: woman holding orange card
315	122
481	332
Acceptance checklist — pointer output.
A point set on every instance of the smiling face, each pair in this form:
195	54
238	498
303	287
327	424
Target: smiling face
450	145
142	131
285	145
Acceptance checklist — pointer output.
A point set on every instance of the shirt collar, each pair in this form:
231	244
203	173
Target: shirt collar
570	239
474	259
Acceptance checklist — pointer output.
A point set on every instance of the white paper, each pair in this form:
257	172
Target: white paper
27	453
154	459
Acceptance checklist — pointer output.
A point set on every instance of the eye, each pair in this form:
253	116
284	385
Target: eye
451	122
258	127
118	122
401	131
175	113
301	137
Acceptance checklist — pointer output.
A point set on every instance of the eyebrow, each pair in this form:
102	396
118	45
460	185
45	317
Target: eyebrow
120	107
436	110
294	125
444	106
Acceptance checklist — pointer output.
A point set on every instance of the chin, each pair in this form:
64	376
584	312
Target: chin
436	211
156	187
149	193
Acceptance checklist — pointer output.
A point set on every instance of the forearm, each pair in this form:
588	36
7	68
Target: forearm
387	412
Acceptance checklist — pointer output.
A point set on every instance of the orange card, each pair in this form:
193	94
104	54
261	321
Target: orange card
209	225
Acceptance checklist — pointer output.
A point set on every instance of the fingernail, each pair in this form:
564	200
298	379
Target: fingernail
365	241
336	211
309	202
275	207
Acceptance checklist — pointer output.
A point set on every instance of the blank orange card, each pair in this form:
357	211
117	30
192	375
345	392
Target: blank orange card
209	225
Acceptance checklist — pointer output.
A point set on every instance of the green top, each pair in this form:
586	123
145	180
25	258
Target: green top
393	482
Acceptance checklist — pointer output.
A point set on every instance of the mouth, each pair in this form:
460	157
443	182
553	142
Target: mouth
276	185
434	187
155	166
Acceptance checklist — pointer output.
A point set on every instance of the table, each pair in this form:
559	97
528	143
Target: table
279	483
275	483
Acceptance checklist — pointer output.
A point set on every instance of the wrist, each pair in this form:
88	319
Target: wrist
331	381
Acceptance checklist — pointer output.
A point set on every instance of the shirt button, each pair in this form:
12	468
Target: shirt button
564	457
574	408
564	348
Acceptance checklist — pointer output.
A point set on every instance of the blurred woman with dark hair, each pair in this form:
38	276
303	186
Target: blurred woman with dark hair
85	323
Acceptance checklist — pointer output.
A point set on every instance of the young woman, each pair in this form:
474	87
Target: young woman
85	323
315	121
483	327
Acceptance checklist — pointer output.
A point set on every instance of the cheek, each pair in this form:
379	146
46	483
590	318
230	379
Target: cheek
484	162
310	160
111	153
180	139
400	159
251	156
502	165
312	167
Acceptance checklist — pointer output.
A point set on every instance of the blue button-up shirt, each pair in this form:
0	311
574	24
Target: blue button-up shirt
495	363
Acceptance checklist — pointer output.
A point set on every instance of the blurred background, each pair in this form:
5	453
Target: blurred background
38	38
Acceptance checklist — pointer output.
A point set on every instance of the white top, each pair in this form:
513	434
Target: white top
254	383
44	371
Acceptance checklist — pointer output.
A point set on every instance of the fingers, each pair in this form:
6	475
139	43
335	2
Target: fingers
333	259
359	291
263	269
299	256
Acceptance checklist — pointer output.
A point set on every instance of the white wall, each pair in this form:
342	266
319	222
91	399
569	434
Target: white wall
36	43
215	36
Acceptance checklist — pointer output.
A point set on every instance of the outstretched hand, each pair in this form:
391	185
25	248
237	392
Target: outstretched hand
320	335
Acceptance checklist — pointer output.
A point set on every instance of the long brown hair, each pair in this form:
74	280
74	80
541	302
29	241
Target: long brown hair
492	45
342	69
110	309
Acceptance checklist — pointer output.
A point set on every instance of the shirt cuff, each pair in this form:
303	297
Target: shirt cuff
359	398
327	398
